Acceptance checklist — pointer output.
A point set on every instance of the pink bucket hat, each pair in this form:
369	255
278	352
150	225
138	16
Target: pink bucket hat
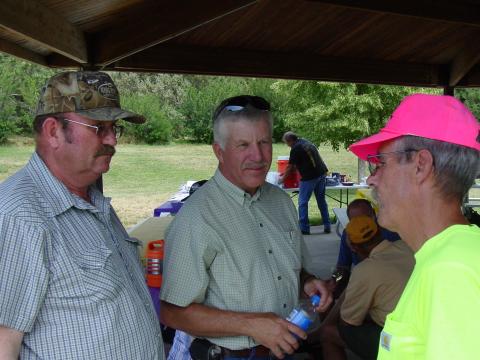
437	117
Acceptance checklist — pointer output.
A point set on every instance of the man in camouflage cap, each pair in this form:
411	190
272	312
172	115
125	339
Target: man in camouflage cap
71	285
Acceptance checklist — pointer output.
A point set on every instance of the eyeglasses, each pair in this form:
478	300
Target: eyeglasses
102	130
239	103
376	162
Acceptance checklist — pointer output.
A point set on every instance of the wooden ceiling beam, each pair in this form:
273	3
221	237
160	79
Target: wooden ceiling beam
472	79
20	52
444	10
465	60
34	21
281	65
157	22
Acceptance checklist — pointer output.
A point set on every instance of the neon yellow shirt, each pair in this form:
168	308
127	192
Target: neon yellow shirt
438	314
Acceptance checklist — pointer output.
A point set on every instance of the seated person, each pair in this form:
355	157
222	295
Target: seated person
373	291
347	258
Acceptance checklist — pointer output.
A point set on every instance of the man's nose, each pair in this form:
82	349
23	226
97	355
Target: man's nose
371	180
256	152
110	137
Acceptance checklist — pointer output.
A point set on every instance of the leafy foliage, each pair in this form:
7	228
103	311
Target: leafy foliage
20	82
179	107
471	98
158	128
202	96
338	113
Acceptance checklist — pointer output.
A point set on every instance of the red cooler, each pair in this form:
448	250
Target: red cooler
293	180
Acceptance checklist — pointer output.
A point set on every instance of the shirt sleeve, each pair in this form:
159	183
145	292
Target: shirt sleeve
24	273
358	296
188	256
293	159
345	254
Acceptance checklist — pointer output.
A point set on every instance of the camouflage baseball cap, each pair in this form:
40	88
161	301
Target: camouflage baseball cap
89	93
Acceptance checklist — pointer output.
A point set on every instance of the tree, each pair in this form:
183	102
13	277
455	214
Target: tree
265	89
471	98
338	113
20	83
202	96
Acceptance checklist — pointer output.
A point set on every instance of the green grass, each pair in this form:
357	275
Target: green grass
144	176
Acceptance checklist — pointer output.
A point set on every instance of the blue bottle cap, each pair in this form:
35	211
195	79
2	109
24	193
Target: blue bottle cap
315	299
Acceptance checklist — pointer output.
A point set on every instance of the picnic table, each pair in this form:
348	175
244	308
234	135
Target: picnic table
341	199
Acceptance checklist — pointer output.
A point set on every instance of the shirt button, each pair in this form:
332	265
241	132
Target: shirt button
279	278
284	306
270	251
261	225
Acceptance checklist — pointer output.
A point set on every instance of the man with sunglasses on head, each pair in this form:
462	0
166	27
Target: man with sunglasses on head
233	259
71	284
423	163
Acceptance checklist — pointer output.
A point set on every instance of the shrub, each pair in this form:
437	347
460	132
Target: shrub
158	128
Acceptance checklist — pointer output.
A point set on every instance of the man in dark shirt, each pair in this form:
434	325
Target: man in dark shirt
304	156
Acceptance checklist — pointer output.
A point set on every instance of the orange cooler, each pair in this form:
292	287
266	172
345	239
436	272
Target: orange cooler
293	180
154	259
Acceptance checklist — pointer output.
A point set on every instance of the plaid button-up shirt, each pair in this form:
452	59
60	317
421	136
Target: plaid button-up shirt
70	277
232	251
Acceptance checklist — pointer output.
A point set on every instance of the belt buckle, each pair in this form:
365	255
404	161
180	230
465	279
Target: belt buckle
214	352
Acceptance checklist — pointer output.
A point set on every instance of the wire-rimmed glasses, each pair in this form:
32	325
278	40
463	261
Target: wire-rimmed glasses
102	130
377	161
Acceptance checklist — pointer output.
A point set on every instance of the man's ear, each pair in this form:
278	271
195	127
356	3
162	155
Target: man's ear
52	131
425	165
218	152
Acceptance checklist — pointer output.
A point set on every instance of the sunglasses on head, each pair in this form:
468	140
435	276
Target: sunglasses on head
239	103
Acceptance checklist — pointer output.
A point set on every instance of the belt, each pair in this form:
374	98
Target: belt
260	351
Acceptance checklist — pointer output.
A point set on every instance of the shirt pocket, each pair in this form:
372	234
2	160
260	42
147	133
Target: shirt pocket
99	278
400	340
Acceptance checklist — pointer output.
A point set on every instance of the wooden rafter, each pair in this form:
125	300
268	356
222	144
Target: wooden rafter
32	20
465	60
461	12
285	65
154	25
18	51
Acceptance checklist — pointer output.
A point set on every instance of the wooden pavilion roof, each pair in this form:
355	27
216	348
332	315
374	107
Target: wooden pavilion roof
424	43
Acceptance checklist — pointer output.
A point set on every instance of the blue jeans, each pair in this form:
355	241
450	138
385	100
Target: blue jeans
316	186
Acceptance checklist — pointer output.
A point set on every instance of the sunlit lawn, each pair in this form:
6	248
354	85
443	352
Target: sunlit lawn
142	176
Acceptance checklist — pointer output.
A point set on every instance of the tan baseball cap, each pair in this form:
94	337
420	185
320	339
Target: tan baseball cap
89	93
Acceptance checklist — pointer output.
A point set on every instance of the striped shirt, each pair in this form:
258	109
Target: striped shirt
180	349
70	277
232	251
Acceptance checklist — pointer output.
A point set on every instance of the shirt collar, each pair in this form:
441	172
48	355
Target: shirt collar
239	195
56	194
380	247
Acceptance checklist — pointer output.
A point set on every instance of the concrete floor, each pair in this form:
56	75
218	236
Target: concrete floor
319	259
321	251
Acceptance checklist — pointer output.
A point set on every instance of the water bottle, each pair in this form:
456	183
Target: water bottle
304	314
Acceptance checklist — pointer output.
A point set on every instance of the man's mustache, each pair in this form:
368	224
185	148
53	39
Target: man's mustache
255	165
105	150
